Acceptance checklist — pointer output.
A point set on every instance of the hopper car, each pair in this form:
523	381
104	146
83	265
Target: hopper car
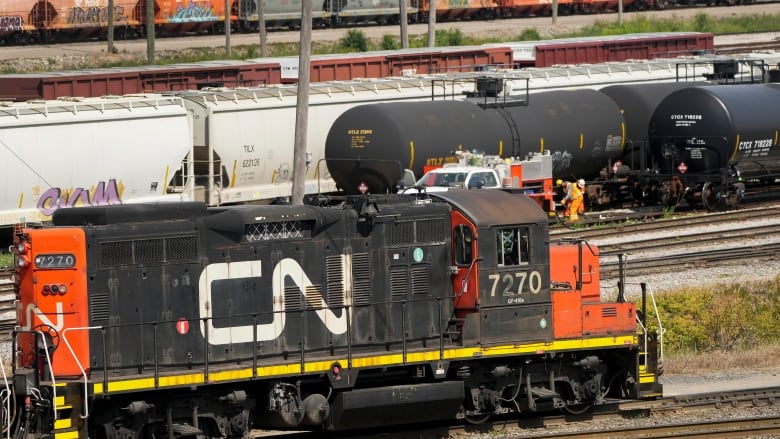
30	21
180	320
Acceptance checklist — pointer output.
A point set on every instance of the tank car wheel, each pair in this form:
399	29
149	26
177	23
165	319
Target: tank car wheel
709	196
477	419
575	409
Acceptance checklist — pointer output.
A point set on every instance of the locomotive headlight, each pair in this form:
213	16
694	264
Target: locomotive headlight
21	248
63	289
21	261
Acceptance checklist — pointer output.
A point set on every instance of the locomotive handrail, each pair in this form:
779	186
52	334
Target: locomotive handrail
157	367
78	363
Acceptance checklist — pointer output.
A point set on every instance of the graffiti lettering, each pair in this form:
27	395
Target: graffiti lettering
102	195
95	14
194	11
11	23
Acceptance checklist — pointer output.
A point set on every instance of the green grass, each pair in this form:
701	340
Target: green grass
722	318
6	259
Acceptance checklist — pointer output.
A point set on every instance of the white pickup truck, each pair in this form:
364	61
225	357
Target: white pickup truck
464	177
532	176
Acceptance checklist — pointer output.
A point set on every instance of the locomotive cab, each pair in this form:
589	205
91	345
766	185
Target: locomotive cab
501	269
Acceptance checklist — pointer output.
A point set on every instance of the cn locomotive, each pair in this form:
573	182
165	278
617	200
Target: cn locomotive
182	320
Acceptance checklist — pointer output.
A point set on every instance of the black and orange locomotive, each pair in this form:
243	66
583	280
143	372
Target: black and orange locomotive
177	320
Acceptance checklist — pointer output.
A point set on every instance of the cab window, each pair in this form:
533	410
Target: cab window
464	245
512	246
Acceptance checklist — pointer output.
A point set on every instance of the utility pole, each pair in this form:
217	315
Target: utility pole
404	22
431	23
110	34
261	22
620	12
227	27
554	11
302	109
150	32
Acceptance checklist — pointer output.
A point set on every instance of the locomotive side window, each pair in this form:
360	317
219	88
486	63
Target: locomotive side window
512	246
464	241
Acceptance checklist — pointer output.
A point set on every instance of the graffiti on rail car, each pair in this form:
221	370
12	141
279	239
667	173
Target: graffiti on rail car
11	23
102	194
95	14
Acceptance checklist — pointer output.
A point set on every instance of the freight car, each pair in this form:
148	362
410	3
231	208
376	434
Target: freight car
342	67
711	140
185	321
371	144
210	145
26	21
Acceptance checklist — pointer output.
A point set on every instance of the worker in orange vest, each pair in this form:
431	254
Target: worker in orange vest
573	200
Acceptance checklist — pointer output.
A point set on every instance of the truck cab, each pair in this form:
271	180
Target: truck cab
466	177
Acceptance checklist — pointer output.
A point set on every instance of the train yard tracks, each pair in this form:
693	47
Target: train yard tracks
683	243
741	413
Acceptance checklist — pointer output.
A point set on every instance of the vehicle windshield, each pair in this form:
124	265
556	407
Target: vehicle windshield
442	179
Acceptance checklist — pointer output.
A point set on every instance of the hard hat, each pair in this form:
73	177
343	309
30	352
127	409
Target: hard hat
559	182
581	183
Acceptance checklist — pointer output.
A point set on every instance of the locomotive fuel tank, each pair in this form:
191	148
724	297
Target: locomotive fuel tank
371	145
714	127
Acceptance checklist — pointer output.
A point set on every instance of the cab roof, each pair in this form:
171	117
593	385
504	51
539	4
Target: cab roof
493	207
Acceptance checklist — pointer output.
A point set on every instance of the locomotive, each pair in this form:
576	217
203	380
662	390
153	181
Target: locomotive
185	320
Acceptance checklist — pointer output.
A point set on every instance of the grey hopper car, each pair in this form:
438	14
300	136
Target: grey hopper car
369	146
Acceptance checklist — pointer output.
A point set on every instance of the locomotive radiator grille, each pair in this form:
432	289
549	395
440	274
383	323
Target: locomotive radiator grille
398	284
146	251
423	231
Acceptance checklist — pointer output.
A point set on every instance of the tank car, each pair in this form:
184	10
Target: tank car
625	180
710	140
369	146
174	320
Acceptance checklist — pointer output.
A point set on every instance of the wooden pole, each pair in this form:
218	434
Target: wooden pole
302	109
432	23
261	22
150	32
403	20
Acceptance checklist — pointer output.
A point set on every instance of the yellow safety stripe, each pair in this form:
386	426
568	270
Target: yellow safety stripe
67	435
294	368
62	424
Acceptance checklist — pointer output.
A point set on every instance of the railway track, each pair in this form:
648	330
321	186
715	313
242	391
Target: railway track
715	414
7	302
689	242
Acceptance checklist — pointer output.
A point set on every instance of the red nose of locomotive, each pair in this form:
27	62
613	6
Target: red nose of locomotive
52	307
